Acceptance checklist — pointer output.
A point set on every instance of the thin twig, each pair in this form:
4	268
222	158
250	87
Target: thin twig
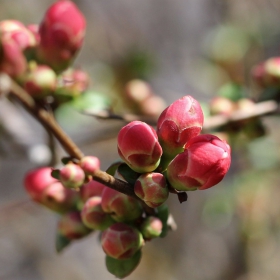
257	110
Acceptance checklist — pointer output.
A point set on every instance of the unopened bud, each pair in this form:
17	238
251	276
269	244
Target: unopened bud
178	123
93	215
138	146
72	176
61	35
151	227
90	164
120	206
71	226
203	164
152	189
121	241
90	189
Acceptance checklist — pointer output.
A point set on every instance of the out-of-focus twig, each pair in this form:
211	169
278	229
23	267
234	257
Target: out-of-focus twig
257	110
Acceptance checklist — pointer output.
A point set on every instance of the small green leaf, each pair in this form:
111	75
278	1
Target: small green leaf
113	168
61	242
128	174
66	160
55	173
122	268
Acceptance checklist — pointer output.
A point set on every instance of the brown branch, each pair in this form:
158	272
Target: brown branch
49	122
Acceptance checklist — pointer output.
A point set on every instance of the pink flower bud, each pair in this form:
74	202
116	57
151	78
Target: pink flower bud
90	189
152	106
90	164
151	227
121	241
267	73
12	60
37	180
178	123
221	106
120	206
138	90
72	176
71	226
138	146
62	33
202	165
93	216
58	198
16	31
40	81
152	188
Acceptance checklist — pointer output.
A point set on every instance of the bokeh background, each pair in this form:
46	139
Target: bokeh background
196	47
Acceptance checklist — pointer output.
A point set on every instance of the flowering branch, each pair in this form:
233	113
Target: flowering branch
7	85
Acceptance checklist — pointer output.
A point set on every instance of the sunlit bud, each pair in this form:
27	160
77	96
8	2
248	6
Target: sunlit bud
120	206
138	146
61	33
72	176
121	241
178	123
152	189
93	215
202	165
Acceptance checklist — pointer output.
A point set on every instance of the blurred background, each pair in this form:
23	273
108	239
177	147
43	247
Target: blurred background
202	48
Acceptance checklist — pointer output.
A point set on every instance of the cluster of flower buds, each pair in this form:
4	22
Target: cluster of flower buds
250	128
35	54
142	99
175	147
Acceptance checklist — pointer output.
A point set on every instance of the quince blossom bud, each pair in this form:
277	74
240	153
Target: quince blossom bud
90	189
58	198
151	227
222	106
12	60
152	189
17	32
178	123
121	241
61	34
40	81
138	146
71	226
37	180
93	216
202	165
120	206
90	164
72	176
